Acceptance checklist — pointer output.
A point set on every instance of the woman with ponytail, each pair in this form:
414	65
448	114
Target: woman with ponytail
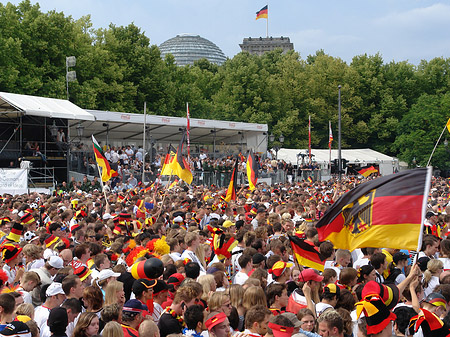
431	275
395	268
366	273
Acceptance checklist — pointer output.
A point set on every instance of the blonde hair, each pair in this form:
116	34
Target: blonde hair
433	267
111	292
236	292
206	282
112	329
200	252
26	309
254	296
217	300
33	251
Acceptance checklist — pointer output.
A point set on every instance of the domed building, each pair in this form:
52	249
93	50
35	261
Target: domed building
188	48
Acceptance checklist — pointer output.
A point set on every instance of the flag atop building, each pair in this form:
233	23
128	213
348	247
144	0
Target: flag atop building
107	173
252	171
263	13
179	166
384	212
231	192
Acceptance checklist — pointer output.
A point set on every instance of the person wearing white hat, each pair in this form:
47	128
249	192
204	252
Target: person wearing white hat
55	296
46	274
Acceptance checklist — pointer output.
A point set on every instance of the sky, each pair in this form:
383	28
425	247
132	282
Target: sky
400	30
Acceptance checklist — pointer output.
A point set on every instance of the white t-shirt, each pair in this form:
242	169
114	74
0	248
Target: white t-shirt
240	278
41	314
321	307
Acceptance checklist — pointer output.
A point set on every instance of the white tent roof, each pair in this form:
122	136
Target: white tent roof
359	156
16	104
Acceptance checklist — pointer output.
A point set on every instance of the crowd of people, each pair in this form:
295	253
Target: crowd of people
152	261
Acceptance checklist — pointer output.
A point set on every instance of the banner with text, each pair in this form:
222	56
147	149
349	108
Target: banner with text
13	181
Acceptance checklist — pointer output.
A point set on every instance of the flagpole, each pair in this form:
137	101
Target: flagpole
267	22
143	144
429	160
188	128
424	208
164	196
309	137
329	146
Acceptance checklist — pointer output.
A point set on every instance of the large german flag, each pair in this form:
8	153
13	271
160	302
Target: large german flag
179	166
367	171
306	254
231	192
252	171
166	170
107	172
385	212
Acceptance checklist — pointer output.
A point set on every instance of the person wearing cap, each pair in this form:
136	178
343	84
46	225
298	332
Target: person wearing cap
132	317
11	255
277	298
104	277
173	283
54	297
395	268
218	324
330	297
143	291
160	291
281	272
46	274
308	292
281	326
435	303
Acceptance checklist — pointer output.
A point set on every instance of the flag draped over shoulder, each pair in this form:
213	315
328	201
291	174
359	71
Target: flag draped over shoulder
166	169
367	171
231	192
107	172
252	171
263	13
179	166
306	254
385	212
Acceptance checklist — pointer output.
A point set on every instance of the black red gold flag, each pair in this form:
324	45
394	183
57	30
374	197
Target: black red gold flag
384	212
231	192
166	168
179	166
367	171
252	171
306	254
263	13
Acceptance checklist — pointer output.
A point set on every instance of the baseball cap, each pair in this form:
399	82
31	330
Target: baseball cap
310	275
437	300
279	267
175	279
133	305
258	258
423	262
228	224
293	318
142	284
332	289
107	273
56	262
16	328
281	331
159	287
399	256
58	318
54	289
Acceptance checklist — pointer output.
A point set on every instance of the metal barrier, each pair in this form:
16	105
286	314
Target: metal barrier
41	177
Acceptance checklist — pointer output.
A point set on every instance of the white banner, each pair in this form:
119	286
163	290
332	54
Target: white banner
13	181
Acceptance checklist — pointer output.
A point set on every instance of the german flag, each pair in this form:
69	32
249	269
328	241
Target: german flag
367	171
252	171
263	13
166	170
179	166
309	179
107	172
385	212
231	192
175	182
306	254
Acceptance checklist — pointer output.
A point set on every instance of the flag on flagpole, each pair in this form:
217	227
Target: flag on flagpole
179	166
252	171
174	183
107	172
263	13
384	212
188	130
305	253
166	170
309	136
330	139
367	171
231	192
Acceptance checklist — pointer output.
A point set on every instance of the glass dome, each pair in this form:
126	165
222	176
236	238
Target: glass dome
188	48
